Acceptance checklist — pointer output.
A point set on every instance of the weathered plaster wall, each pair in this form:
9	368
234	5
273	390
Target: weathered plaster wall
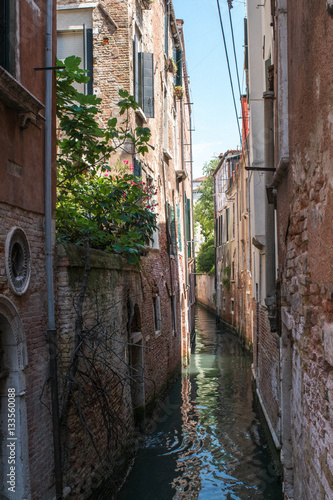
205	290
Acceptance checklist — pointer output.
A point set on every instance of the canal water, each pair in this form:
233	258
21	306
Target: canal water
207	442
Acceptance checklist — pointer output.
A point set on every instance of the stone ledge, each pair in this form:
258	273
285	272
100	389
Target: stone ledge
17	97
75	255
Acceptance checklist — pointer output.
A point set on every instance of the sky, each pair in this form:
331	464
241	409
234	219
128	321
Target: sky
213	112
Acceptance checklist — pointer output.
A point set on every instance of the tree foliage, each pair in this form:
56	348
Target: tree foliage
206	257
113	210
204	208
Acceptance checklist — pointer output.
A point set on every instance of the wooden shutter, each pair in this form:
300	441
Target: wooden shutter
166	33
136	68
179	62
179	229
147	87
89	59
188	223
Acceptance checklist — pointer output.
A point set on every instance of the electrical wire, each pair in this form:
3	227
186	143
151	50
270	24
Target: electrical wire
233	44
228	63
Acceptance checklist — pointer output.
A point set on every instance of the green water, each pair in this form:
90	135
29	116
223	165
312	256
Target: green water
207	443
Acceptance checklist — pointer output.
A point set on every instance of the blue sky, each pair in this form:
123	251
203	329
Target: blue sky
214	116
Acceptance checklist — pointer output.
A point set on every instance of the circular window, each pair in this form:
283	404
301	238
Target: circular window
18	261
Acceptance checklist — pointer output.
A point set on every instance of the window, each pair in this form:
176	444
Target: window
165	121
75	38
166	29
143	71
137	172
179	64
171	228
7	35
232	306
233	271
157	313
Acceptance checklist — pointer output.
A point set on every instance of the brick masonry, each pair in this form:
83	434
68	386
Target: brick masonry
112	283
305	211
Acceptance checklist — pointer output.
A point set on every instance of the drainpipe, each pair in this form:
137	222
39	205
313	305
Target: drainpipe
183	189
51	332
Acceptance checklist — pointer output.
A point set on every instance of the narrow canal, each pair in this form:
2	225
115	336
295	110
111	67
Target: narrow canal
207	442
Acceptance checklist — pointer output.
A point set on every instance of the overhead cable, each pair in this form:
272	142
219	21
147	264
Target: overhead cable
230	77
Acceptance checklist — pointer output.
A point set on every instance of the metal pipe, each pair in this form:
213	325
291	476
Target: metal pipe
48	250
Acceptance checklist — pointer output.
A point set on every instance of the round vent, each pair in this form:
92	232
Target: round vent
18	261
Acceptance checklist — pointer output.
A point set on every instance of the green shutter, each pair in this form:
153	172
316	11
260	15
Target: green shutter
137	169
179	230
246	52
179	63
90	60
188	230
136	69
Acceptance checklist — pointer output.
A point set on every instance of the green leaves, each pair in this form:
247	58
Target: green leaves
206	257
112	210
204	208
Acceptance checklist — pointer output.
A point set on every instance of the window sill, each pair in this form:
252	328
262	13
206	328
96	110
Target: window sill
152	249
157	333
167	153
17	97
181	174
141	114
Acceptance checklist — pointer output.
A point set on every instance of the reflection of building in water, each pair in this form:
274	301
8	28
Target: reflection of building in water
189	464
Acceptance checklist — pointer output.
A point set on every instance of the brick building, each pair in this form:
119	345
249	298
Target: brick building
290	108
26	471
302	185
138	46
233	279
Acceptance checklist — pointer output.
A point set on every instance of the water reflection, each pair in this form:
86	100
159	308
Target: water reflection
207	442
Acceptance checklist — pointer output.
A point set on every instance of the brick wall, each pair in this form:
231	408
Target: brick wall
305	211
112	283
